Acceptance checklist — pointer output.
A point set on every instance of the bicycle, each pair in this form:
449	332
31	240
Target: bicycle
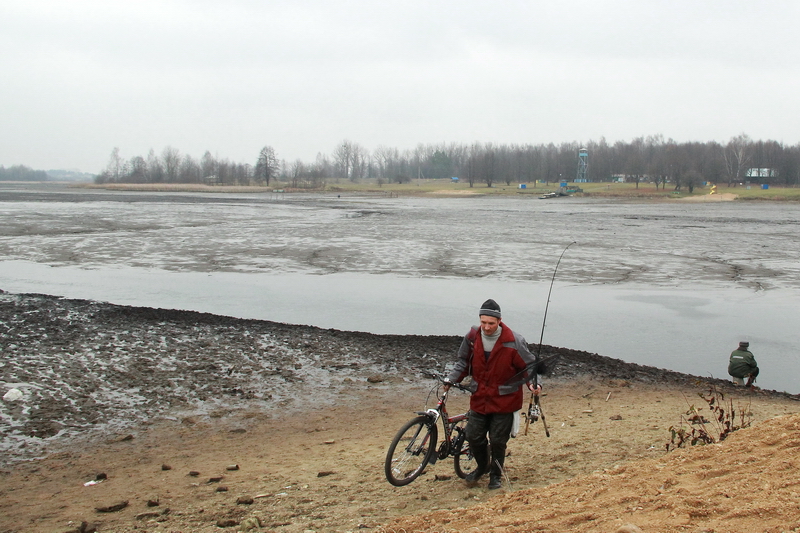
414	445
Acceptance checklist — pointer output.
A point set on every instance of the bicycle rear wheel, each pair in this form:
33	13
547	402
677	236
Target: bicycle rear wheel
463	461
410	451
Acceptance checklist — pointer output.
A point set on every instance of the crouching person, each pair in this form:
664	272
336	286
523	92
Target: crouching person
742	365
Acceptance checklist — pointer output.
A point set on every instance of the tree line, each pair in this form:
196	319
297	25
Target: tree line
651	159
22	173
173	167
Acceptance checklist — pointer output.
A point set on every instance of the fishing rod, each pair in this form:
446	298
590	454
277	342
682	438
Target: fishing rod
536	412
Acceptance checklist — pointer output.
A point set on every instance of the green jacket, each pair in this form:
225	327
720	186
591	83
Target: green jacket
742	364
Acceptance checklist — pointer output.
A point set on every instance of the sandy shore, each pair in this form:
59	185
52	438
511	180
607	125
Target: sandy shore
723	197
234	423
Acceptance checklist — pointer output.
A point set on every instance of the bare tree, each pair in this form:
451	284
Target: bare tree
677	162
692	179
768	155
267	165
737	154
352	161
489	166
603	159
320	171
241	173
550	168
709	161
343	159
171	159
360	163
390	165
208	168
137	170
790	166
657	165
474	164
155	170
385	158
283	175
297	173
189	170
114	167
224	175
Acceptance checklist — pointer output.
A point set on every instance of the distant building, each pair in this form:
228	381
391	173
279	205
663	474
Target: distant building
761	173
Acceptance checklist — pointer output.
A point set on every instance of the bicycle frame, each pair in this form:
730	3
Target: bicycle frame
448	425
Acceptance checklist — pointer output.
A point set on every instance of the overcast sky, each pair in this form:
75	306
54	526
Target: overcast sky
82	77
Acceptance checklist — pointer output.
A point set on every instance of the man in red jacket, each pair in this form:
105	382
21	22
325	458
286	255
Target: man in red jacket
493	355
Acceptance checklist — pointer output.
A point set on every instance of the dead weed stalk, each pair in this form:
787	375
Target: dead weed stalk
696	429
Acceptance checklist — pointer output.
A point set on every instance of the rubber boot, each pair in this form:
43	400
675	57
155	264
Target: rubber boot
481	455
496	473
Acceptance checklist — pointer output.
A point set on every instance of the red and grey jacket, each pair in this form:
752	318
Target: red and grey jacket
509	357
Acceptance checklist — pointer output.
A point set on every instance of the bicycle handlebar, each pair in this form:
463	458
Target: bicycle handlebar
442	380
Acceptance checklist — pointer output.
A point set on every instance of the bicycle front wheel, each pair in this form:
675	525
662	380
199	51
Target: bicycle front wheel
463	461
410	451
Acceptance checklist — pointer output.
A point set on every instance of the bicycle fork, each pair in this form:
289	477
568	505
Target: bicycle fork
433	418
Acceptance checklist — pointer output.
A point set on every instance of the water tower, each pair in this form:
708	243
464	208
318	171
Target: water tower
583	165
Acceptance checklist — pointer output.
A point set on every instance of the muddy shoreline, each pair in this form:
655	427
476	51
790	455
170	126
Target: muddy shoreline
89	369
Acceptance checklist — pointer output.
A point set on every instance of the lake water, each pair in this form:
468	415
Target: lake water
674	285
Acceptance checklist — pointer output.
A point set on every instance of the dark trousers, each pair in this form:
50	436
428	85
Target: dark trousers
495	426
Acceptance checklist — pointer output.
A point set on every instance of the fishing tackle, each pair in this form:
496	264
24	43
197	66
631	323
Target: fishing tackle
534	406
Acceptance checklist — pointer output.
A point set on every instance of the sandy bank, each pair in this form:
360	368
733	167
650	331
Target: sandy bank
724	197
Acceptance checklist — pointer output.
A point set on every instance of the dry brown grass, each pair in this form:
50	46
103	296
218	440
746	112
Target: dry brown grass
174	187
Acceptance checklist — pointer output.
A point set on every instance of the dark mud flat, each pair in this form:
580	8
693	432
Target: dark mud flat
89	369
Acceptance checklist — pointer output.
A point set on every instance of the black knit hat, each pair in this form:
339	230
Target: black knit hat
744	344
490	308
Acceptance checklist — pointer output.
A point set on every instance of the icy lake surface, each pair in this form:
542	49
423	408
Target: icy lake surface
674	285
